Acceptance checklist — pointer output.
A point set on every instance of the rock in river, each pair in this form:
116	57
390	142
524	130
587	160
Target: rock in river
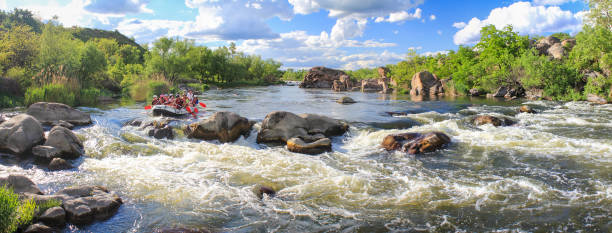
84	204
69	145
51	113
346	100
20	184
20	133
58	164
416	143
321	77
495	121
46	153
426	83
278	127
222	126
526	109
298	145
55	216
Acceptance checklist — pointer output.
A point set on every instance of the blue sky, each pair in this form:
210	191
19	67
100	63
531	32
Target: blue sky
346	34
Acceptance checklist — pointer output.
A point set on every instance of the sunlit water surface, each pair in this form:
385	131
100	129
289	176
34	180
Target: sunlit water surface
550	172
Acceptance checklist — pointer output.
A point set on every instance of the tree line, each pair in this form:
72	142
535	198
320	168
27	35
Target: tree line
48	62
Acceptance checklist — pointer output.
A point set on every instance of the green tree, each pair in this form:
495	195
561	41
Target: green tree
18	47
58	48
92	61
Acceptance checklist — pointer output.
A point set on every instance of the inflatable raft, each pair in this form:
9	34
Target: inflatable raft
168	111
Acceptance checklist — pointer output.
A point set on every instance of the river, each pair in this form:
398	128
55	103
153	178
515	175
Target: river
550	172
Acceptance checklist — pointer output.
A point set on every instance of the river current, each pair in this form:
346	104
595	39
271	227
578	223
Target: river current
550	172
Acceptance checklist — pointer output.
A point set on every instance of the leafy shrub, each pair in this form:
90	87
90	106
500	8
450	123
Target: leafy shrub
89	96
198	87
142	90
44	206
158	87
14	213
50	93
598	85
8	101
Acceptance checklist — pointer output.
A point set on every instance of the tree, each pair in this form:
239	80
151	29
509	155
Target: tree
18	47
58	48
92	61
600	13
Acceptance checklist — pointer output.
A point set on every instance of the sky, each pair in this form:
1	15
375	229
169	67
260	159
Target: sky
344	34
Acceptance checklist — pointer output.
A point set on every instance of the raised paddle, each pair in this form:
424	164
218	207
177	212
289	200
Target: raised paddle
189	110
147	107
203	105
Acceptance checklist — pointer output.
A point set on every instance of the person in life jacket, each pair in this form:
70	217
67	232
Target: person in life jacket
156	101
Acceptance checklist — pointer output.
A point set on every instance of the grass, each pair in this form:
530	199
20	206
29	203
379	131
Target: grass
14	213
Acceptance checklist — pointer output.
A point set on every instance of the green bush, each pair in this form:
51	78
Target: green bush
158	88
44	206
8	101
14	213
50	93
598	85
89	96
198	87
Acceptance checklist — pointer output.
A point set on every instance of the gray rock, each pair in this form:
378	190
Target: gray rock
69	145
163	132
46	153
346	100
545	43
55	216
416	143
500	92
88	203
222	126
321	77
596	99
58	164
20	133
495	121
556	51
278	127
40	228
526	109
297	145
20	184
63	124
475	92
426	83
49	113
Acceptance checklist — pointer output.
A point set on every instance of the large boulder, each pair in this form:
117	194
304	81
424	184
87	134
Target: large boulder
278	127
55	216
545	43
416	143
58	164
298	145
346	100
161	132
475	92
569	43
39	228
556	51
495	121
46	153
596	99
222	126
69	145
526	109
50	113
321	77
20	133
343	84
371	85
20	184
426	83
85	204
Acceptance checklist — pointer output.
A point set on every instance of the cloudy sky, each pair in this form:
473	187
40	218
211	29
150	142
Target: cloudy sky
347	34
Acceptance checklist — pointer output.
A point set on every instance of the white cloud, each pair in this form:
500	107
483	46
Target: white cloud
551	2
432	17
439	32
348	27
3	5
120	7
525	19
400	16
459	25
395	32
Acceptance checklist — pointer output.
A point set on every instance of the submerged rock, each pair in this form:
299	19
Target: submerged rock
278	127
69	145
495	121
265	190
50	113
298	145
222	126
346	100
162	132
20	184
416	143
58	164
526	109
20	133
84	204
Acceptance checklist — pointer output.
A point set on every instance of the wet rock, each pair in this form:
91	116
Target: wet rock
265	190
49	113
85	204
596	99
371	85
20	184
526	109
182	230
134	122
515	92
133	138
321	77
343	84
426	83
475	92
346	100
416	143
55	216
163	132
58	164
298	145
46	153
500	92
40	228
20	133
278	127
63	124
69	145
222	126
495	121
534	94
2	119
396	124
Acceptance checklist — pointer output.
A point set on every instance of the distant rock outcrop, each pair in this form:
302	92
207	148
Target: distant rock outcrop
426	83
321	77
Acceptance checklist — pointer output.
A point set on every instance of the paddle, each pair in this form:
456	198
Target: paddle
203	105
147	107
189	110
